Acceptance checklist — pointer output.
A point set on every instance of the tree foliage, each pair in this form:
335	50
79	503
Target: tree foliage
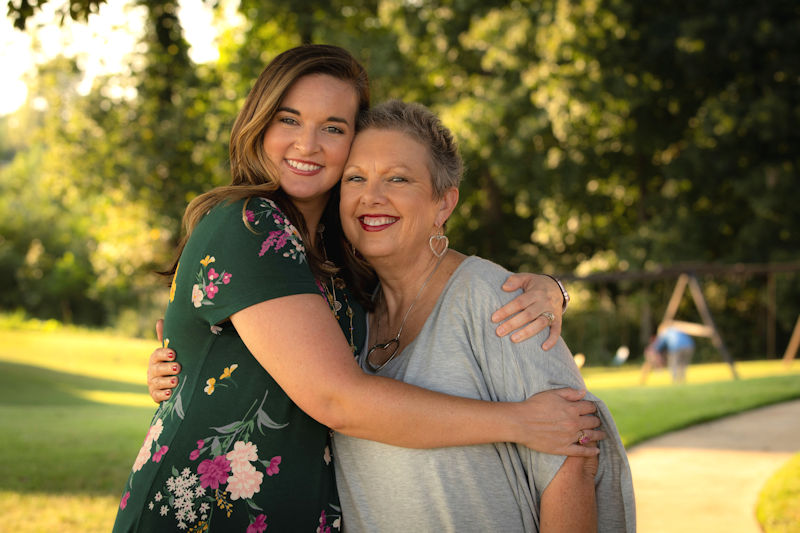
598	135
21	10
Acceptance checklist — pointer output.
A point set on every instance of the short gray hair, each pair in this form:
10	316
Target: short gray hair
422	125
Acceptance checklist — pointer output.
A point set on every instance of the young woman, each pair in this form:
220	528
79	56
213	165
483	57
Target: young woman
242	444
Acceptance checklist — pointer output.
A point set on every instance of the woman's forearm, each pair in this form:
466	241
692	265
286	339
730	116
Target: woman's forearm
413	417
297	341
315	367
393	412
568	503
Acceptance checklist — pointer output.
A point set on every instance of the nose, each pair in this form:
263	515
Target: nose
306	141
373	192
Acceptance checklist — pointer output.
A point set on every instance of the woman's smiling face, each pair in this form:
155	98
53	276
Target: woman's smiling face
309	139
387	202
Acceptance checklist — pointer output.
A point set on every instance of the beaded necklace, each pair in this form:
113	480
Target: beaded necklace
330	293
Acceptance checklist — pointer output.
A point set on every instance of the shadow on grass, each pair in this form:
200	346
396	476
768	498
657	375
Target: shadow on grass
68	433
33	385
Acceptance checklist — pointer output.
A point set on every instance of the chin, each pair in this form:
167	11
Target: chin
373	254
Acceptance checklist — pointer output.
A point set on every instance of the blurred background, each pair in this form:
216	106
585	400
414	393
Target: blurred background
615	143
618	144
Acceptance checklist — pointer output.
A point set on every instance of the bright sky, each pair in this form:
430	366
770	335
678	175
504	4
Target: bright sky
99	46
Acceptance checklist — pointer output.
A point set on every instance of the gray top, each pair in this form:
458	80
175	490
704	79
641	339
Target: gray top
493	487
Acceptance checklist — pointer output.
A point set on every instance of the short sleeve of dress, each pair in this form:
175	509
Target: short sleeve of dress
241	254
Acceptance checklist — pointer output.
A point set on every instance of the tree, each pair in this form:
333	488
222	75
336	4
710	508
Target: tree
21	10
598	135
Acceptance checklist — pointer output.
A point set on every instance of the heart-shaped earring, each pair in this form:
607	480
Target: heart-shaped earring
384	348
435	242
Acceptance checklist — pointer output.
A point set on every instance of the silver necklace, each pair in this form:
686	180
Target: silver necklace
395	342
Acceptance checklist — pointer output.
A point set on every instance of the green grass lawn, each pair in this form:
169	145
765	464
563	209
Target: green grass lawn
73	413
643	412
74	409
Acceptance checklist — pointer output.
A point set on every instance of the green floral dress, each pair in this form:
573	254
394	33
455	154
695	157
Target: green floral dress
229	451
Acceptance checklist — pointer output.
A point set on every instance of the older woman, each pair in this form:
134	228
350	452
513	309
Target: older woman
428	328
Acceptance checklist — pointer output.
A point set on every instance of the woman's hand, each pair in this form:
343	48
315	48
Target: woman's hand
541	294
162	370
556	419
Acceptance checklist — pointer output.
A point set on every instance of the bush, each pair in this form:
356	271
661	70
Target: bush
778	509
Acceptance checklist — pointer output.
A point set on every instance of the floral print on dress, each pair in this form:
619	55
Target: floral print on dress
224	467
286	240
211	383
259	526
172	286
323	522
153	433
149	451
208	282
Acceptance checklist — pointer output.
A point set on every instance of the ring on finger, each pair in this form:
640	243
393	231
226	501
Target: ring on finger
583	438
549	316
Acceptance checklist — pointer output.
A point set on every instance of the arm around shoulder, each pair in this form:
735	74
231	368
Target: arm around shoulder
296	339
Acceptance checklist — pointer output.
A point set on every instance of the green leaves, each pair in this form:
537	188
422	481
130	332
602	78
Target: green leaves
597	134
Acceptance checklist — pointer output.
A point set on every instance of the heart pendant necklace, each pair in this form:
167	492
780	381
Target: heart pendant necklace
394	344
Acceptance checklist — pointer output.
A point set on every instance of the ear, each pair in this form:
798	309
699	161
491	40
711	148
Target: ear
446	206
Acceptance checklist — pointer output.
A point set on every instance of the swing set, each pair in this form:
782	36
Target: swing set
687	277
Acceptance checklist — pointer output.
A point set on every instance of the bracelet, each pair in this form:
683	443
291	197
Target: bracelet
564	293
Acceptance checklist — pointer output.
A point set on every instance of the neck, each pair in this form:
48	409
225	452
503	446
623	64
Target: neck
407	298
400	282
312	213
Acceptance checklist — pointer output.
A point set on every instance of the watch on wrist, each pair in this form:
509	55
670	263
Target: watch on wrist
564	292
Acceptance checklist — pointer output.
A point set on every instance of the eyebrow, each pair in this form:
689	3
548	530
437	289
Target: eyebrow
393	168
329	119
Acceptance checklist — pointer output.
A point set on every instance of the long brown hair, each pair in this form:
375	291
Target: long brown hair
252	174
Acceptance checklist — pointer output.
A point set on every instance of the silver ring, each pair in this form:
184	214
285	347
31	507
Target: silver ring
549	316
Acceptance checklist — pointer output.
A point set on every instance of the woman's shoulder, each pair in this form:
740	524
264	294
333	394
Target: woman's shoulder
249	218
474	293
253	212
253	228
242	253
476	285
478	275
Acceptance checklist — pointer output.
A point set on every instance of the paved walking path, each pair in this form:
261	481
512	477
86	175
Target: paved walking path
706	478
